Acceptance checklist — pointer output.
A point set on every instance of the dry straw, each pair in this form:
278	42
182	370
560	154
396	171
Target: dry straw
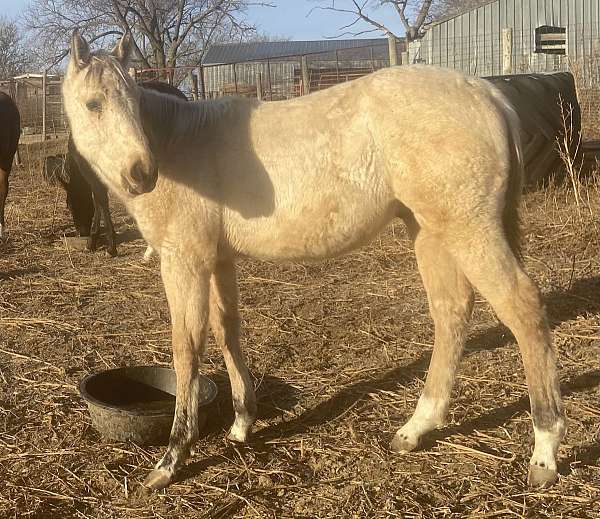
338	351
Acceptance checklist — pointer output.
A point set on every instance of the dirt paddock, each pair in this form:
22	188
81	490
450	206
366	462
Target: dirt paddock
338	351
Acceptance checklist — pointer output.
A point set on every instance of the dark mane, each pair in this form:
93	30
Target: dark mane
167	119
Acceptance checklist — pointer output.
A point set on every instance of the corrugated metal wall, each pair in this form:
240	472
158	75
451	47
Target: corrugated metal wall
472	41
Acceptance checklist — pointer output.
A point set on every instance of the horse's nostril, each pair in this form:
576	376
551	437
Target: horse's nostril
142	177
137	173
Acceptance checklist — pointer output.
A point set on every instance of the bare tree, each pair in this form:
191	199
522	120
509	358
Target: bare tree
166	33
413	14
14	57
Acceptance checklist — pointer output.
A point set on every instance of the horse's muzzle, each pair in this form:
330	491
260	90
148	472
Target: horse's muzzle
141	178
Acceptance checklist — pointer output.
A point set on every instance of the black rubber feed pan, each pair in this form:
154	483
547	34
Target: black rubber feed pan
138	403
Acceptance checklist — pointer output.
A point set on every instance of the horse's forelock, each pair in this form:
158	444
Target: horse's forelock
99	63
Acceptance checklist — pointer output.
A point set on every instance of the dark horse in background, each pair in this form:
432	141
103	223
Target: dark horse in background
10	130
87	197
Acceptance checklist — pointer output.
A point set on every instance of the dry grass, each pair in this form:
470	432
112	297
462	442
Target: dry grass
338	351
586	72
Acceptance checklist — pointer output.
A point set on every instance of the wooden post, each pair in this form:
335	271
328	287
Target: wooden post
337	66
269	80
305	76
507	48
19	162
258	79
235	79
194	82
202	83
392	50
132	72
44	100
372	59
405	60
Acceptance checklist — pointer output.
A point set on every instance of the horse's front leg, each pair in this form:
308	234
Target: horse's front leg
225	324
187	287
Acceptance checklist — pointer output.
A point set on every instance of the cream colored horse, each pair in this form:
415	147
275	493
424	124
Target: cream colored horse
312	178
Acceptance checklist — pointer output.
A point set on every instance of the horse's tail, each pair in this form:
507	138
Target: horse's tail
510	215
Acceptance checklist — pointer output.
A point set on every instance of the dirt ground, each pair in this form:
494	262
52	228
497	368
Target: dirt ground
338	351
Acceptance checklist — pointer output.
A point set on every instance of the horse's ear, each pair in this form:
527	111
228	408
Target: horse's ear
122	49
80	50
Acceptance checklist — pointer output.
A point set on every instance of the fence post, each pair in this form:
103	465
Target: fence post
194	81
132	72
18	162
305	76
392	50
258	77
235	79
405	60
507	48
44	100
202	83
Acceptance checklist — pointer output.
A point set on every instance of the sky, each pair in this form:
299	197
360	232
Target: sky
290	18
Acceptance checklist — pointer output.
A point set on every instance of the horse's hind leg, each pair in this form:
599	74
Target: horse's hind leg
450	299
225	324
493	269
3	194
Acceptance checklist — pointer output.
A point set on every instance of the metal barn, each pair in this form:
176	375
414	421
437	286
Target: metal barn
519	37
514	36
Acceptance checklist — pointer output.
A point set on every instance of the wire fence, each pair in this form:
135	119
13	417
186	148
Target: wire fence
276	78
39	99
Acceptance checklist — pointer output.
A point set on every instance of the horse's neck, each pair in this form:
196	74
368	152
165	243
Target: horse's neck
164	119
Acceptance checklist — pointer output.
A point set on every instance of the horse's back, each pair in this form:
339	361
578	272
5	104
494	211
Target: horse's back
323	173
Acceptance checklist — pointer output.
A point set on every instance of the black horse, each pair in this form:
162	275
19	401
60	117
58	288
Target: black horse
10	131
87	197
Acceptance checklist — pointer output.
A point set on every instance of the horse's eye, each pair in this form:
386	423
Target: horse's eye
94	105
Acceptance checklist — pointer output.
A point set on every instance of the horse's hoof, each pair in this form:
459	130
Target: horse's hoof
148	254
403	443
540	477
157	479
238	434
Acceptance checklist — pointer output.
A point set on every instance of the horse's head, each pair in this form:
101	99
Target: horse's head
102	103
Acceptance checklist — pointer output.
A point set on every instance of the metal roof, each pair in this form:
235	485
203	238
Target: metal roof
256	51
458	12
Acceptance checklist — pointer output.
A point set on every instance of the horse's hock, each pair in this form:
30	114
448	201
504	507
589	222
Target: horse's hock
547	104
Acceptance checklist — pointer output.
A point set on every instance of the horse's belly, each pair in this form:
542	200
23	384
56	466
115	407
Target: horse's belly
322	230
